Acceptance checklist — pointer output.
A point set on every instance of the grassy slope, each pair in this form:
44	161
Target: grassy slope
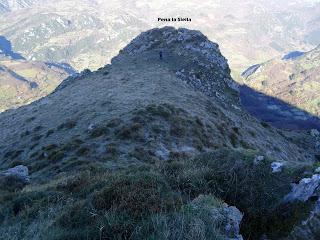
110	182
15	92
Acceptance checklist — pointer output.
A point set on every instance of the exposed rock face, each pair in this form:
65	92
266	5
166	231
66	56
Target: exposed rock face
21	172
316	135
304	189
276	167
234	217
226	218
309	228
202	67
182	40
258	159
14	178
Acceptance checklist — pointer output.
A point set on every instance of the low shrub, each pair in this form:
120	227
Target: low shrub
138	194
67	125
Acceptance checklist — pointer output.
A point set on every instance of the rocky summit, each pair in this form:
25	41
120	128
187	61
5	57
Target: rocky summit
155	145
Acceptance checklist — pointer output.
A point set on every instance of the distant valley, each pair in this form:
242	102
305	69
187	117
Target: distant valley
86	34
23	81
293	79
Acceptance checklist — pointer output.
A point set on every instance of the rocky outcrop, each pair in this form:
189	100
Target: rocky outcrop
14	178
316	135
277	167
232	226
306	189
184	39
21	172
225	218
194	59
309	228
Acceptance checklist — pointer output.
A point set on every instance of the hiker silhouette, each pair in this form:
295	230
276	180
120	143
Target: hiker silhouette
160	55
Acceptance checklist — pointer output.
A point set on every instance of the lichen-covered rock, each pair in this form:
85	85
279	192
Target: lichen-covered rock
316	135
307	228
304	189
277	167
233	220
226	218
14	178
258	159
20	172
169	38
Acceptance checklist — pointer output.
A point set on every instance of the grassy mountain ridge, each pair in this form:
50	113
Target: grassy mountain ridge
149	148
87	34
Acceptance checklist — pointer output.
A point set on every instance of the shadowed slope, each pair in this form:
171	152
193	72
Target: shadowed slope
294	80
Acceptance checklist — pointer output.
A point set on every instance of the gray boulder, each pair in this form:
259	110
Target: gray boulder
233	219
258	159
315	133
14	178
226	219
277	167
309	228
304	189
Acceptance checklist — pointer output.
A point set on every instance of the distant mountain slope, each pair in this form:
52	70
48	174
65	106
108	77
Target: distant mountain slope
22	82
63	31
294	79
11	5
150	148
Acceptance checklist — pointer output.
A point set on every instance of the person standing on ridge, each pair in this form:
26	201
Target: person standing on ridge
160	55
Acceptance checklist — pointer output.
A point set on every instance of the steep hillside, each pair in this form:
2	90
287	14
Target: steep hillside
150	148
294	78
11	5
22	82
